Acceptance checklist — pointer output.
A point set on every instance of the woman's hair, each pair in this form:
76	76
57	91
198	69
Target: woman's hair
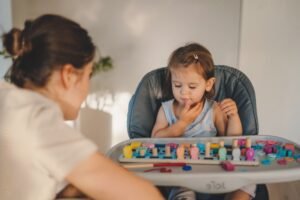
196	55
44	45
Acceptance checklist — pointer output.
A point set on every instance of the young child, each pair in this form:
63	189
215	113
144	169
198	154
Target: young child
192	112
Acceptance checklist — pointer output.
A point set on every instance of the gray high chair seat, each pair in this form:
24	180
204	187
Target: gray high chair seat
155	87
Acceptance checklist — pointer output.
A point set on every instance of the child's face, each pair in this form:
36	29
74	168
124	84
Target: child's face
188	85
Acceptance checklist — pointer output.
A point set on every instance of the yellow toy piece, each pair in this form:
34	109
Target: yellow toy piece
214	146
135	144
127	151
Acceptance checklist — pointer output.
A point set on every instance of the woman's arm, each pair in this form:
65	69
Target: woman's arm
100	178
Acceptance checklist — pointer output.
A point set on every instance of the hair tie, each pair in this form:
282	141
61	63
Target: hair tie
196	57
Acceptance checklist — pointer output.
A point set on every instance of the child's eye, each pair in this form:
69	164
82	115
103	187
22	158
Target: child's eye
192	87
177	86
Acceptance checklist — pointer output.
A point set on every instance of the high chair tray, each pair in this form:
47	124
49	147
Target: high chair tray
275	159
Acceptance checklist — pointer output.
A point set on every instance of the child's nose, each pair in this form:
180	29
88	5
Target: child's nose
184	91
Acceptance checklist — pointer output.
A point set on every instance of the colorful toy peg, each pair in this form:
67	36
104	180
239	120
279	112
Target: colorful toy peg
135	144
148	145
167	151
142	152
194	153
249	150
180	152
222	151
207	149
154	152
236	152
127	151
248	142
214	146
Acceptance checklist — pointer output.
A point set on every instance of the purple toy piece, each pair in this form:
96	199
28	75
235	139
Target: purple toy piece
228	166
268	148
172	145
250	154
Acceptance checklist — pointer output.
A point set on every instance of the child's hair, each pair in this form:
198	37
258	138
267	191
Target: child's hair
44	45
197	55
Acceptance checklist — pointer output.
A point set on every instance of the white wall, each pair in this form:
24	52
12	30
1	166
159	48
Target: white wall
5	26
140	35
270	56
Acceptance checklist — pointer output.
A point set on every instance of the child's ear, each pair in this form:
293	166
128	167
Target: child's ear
68	75
209	84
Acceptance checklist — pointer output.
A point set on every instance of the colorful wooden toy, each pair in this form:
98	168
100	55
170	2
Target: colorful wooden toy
249	150
127	151
236	152
194	152
207	150
180	152
222	151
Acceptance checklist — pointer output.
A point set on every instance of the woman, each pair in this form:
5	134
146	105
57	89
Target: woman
40	154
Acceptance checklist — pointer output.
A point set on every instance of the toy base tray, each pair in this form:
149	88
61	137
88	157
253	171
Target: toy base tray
207	175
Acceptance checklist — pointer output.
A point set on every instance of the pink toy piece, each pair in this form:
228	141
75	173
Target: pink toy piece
268	149
194	152
227	166
271	142
267	142
282	162
250	154
242	142
148	145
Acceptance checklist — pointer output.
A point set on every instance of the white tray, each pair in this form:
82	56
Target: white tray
211	178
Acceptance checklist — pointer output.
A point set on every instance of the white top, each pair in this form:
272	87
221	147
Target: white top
37	148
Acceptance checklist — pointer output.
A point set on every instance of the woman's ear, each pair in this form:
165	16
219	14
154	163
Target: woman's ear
209	84
68	75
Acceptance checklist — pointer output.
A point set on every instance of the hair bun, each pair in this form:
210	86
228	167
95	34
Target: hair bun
12	42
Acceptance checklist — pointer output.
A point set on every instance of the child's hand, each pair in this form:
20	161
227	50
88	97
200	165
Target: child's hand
190	113
228	106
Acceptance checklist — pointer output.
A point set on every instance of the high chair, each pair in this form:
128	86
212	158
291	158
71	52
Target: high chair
155	88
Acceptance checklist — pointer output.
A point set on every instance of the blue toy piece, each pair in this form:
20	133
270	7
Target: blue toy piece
187	168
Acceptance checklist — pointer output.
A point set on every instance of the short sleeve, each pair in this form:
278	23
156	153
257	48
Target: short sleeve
58	147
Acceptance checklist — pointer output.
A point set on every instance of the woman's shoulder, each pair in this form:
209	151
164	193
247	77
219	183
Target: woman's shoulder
23	101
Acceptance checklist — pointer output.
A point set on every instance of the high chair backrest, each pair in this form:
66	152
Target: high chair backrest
153	89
